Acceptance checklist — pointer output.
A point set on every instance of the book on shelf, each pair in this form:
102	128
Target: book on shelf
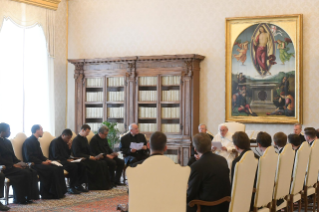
115	112
94	96
170	112
147	81
115	96
147	127
171	95
94	82
94	126
147	95
170	128
172	157
147	112
94	112
171	80
115	81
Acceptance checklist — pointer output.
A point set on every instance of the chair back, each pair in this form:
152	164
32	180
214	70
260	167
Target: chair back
234	127
300	167
313	164
17	143
283	174
266	172
157	185
45	142
90	136
243	182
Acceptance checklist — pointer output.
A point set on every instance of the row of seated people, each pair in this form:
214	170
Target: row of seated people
210	178
96	168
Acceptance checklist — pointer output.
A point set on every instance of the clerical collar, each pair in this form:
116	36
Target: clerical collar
311	142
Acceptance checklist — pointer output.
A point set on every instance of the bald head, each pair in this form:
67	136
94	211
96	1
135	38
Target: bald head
133	129
202	128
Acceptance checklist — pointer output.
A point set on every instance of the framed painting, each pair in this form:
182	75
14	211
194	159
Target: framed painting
264	69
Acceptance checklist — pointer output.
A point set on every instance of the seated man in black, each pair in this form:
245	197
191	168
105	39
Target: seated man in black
280	140
2	207
97	168
52	183
60	149
133	137
24	181
209	178
99	144
157	145
201	129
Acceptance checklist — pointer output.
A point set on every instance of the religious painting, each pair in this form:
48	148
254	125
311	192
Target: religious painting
264	69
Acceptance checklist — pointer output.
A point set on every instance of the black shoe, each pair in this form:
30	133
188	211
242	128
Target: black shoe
29	201
120	184
3	207
20	203
81	189
73	191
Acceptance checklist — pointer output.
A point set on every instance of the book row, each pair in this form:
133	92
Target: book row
94	112
115	112
172	95
94	82
147	81
171	80
115	96
94	96
115	81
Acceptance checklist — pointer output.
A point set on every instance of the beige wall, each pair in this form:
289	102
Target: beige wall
108	28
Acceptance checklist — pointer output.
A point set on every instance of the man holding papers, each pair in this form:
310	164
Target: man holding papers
60	149
222	144
134	145
99	144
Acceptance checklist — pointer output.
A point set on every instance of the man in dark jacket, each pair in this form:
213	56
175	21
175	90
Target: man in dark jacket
130	141
99	144
209	178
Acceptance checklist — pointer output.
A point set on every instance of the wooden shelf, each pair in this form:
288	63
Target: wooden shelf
94	87
115	86
114	102
147	86
94	103
147	118
175	102
147	102
170	118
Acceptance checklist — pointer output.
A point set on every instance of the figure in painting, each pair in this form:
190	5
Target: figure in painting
243	47
260	45
283	50
285	105
284	86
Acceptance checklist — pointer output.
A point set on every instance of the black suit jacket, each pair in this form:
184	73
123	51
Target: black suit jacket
126	142
99	145
209	181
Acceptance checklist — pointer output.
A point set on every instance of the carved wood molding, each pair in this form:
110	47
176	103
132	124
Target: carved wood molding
48	4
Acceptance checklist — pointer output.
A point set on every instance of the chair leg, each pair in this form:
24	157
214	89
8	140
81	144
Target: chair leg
291	203
7	187
314	202
305	199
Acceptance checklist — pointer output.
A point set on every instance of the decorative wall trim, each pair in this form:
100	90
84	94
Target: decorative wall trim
48	4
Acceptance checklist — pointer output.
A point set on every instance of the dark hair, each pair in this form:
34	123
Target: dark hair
67	132
85	127
35	127
3	127
241	140
264	139
202	142
310	131
158	141
280	139
294	139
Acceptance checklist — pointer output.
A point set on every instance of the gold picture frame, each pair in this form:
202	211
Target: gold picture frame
264	69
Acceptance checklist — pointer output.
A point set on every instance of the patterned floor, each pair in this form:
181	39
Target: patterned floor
91	201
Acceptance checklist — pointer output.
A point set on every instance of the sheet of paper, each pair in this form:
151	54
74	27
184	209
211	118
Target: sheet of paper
137	146
76	161
56	163
217	144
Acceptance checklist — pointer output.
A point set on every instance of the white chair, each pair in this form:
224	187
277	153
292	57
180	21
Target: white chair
267	165
235	126
45	142
298	175
283	177
311	176
158	185
243	183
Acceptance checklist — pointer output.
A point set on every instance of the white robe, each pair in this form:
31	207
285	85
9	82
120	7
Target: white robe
227	142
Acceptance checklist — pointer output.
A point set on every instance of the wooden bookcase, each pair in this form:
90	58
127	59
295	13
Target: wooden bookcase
159	93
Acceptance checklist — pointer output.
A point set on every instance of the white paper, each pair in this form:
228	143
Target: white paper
217	144
137	146
56	163
76	161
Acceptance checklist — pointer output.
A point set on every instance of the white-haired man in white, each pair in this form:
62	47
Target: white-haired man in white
228	150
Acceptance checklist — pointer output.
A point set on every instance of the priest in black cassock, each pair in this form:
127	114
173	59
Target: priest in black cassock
52	183
97	169
132	155
60	149
99	144
2	207
24	181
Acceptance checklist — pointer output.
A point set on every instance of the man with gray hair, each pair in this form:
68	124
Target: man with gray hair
134	145
209	178
99	144
297	131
